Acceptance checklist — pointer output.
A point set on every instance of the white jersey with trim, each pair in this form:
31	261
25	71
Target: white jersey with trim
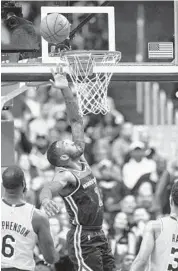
18	238
165	254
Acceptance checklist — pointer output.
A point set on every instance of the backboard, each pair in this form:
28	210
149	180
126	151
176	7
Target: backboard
137	29
121	25
106	16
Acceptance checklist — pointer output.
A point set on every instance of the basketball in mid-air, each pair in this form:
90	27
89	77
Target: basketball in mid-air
55	28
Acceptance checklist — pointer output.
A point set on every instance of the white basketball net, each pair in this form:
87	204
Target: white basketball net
91	88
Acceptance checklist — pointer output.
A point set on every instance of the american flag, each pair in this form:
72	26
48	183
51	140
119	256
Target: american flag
161	50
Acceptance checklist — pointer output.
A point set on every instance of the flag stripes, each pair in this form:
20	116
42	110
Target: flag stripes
161	50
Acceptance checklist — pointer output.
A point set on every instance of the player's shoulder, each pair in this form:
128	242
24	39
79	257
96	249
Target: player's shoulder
63	175
153	225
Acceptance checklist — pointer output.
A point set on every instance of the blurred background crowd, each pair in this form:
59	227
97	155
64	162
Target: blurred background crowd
134	178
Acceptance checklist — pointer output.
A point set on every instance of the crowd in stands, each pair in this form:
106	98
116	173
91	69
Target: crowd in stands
134	180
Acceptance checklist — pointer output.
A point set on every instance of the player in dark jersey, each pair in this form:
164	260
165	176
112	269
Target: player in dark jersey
87	245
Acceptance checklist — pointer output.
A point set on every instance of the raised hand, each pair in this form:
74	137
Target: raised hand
60	80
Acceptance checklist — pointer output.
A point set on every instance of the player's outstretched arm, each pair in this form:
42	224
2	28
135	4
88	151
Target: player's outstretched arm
76	121
146	249
53	189
42	229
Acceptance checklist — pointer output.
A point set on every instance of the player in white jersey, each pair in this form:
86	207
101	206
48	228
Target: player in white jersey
22	225
160	241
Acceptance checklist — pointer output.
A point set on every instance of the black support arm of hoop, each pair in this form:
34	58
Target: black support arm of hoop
66	43
85	20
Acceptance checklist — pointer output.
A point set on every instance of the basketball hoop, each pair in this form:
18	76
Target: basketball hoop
91	88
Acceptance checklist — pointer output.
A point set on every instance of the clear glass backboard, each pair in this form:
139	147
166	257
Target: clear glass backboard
144	31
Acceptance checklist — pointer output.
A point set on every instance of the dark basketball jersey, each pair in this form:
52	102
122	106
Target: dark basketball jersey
84	205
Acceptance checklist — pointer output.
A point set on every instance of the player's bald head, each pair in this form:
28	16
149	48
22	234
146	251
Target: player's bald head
13	178
54	152
60	153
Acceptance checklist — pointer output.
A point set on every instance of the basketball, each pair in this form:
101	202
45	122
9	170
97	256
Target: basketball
55	28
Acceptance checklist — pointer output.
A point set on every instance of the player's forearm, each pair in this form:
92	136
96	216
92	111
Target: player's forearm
52	256
72	107
46	193
75	118
78	136
49	253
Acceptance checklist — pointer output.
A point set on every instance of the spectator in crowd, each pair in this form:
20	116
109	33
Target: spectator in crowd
127	206
59	131
163	189
140	218
42	123
22	144
112	203
109	176
112	188
137	166
110	123
32	107
144	137
25	165
37	155
123	241
101	150
109	167
109	126
161	166
144	197
121	146
152	177
107	171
